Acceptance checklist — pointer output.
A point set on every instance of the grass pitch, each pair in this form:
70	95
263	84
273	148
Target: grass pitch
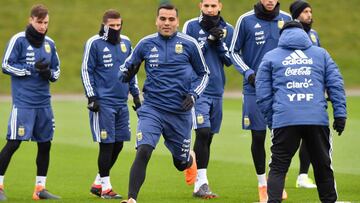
231	172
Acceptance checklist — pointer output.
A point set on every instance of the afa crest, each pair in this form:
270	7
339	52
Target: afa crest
47	47
280	24
246	121
179	48
225	32
139	136
123	47
313	38
21	131
103	134
200	119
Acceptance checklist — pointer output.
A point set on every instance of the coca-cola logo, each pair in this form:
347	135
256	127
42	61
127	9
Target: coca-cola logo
298	71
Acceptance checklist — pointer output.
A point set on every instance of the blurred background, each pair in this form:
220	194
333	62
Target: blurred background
72	22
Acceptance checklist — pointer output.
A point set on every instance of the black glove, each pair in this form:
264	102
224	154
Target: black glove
137	103
216	33
43	69
339	125
188	102
130	73
251	79
93	104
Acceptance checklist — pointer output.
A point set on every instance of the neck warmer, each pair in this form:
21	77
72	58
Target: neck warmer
307	26
110	35
34	37
263	14
207	22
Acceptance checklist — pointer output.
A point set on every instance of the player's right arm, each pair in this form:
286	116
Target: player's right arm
133	84
132	63
187	29
202	71
88	67
11	64
236	46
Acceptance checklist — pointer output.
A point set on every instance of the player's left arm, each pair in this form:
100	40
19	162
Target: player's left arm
334	85
54	65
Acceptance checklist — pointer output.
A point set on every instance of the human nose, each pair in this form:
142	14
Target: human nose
209	10
43	26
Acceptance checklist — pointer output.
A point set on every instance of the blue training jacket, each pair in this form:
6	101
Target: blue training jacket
169	64
215	56
291	83
253	38
99	71
28	89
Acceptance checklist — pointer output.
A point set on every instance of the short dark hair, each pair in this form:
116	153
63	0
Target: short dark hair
297	7
39	11
111	13
167	6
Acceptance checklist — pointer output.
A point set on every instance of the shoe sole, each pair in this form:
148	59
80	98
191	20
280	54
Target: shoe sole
120	197
93	194
207	197
305	187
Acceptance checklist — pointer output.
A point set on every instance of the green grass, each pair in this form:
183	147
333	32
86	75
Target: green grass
231	172
72	22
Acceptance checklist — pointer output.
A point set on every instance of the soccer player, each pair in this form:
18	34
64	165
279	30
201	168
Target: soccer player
290	86
301	10
256	33
32	62
170	58
107	97
214	35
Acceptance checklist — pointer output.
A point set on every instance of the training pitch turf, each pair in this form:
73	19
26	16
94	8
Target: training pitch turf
231	172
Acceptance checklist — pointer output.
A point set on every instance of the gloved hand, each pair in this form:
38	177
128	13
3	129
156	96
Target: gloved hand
251	79
43	69
188	102
339	125
93	104
216	33
137	103
130	73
